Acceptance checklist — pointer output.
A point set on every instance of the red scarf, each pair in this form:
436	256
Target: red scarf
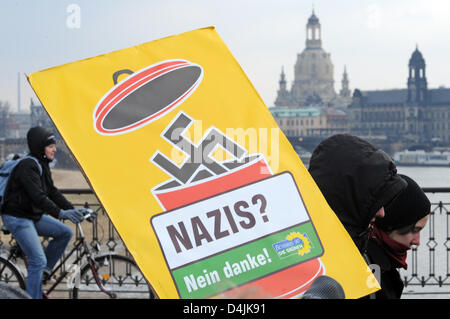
394	249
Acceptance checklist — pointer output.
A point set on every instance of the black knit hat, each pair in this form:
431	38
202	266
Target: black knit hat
407	209
38	138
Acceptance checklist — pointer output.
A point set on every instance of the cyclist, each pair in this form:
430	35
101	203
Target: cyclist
30	193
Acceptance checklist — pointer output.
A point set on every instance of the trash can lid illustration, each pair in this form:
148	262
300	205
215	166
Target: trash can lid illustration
145	95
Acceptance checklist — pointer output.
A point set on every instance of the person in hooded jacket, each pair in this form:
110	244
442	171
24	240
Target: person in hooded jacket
28	196
358	180
394	235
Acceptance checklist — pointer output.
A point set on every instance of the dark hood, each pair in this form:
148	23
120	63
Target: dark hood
356	178
407	209
38	139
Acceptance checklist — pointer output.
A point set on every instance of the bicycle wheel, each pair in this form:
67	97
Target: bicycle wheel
10	275
118	274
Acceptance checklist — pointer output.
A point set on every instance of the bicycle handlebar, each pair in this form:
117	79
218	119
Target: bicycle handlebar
89	214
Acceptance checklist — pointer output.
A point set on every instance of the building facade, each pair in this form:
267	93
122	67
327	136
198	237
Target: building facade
17	126
416	113
311	121
39	116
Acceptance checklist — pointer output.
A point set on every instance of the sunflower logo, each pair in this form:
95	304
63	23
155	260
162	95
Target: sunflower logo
302	240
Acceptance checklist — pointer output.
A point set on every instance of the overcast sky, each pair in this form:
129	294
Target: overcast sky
374	39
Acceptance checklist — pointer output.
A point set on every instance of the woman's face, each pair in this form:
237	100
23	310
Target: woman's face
50	151
412	237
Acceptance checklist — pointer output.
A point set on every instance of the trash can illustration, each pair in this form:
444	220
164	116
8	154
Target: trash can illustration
228	226
265	242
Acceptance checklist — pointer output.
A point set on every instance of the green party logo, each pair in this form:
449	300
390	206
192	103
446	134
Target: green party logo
295	243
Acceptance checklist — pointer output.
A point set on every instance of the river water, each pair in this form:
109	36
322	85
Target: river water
432	260
427	176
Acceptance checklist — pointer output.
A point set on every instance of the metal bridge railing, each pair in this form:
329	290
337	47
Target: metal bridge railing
428	264
101	232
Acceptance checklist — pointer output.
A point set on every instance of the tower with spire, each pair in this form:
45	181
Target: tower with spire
417	80
283	96
313	32
345	91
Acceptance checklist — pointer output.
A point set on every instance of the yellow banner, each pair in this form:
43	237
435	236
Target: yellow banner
202	186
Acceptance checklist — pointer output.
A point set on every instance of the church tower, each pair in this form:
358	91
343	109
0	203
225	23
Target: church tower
313	83
283	96
313	32
345	91
417	81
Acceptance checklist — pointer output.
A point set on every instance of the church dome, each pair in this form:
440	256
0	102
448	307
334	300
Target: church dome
313	19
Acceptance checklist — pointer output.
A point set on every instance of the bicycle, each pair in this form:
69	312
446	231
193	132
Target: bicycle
108	275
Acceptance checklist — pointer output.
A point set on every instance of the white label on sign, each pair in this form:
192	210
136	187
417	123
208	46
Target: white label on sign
230	219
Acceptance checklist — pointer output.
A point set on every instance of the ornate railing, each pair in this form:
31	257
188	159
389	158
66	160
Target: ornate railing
100	233
428	264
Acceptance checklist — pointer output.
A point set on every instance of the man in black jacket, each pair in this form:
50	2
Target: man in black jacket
358	180
31	193
395	234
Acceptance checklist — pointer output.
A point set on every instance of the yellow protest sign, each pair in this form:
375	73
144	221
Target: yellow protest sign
204	189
